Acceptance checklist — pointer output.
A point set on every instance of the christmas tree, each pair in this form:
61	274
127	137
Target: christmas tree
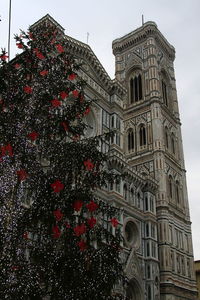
57	239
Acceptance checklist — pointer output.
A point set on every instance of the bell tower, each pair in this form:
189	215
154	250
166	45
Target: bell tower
153	145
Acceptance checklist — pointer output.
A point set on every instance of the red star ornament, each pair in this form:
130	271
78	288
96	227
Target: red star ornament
82	245
75	93
63	95
44	73
57	186
80	229
56	232
72	76
55	103
91	222
7	150
33	135
58	215
92	206
59	48
77	205
88	164
114	222
22	175
28	90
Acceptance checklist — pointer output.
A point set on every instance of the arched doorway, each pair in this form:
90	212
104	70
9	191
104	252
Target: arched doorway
133	291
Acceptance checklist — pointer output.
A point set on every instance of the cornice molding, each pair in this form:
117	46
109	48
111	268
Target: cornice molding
84	51
149	29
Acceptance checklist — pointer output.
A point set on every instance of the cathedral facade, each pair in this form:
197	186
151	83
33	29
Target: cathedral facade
141	106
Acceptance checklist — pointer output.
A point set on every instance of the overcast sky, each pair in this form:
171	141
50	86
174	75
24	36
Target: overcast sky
106	20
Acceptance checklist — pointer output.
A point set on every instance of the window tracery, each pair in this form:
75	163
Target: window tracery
170	186
164	93
173	143
142	135
131	141
166	138
177	194
165	88
135	86
125	192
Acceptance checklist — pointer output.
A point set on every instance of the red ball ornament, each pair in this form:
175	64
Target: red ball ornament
17	66
72	76
19	45
4	57
75	93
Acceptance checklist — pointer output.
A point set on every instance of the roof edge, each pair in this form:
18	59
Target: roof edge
47	17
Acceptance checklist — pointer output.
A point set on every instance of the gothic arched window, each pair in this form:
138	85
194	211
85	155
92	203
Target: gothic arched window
170	187
130	140
166	138
149	293
131	91
146	203
132	195
164	93
177	192
173	143
147	229
125	192
148	271
135	88
142	135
